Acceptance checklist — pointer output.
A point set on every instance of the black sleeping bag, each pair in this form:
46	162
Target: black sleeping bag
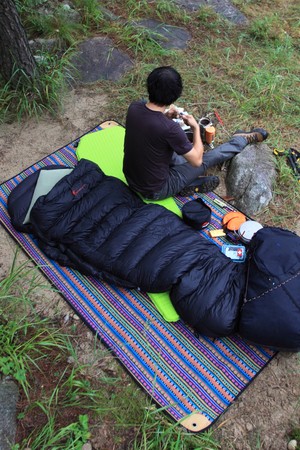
271	309
96	224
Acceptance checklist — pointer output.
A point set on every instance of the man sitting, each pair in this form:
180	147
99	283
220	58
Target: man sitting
159	160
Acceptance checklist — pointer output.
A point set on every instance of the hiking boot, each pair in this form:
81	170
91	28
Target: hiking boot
200	186
254	136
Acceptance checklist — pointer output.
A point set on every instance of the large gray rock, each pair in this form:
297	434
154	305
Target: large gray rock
250	178
9	394
167	36
98	59
224	8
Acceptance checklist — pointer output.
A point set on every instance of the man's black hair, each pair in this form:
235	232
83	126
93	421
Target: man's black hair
164	85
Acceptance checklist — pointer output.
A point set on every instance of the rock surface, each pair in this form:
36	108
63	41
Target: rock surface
224	8
250	178
167	36
8	401
98	59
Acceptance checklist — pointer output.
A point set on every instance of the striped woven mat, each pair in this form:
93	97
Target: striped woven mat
195	379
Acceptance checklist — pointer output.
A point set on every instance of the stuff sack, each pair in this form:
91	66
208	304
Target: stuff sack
196	214
270	314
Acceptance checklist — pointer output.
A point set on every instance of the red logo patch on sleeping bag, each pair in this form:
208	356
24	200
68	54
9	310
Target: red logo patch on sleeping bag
75	192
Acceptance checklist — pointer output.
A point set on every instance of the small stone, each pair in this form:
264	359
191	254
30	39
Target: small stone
292	445
89	336
249	426
70	360
66	318
87	446
239	446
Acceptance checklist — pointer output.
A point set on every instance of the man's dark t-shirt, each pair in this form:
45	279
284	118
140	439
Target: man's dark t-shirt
150	140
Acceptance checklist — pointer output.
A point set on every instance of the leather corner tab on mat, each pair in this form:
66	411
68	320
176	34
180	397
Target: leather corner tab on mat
108	124
195	422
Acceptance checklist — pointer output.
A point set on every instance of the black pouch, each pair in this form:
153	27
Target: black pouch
196	214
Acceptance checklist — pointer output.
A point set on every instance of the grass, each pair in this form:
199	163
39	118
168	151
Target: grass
295	434
23	344
155	433
33	97
71	437
91	13
26	342
250	75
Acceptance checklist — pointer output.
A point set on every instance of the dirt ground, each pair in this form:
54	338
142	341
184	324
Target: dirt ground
263	415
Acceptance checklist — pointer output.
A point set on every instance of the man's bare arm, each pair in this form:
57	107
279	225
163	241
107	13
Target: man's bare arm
194	156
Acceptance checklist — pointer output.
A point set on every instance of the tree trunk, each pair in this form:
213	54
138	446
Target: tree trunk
15	52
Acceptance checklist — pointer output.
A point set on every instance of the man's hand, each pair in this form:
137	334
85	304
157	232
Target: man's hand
172	112
189	120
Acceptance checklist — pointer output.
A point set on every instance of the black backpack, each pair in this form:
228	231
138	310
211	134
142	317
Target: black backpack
270	314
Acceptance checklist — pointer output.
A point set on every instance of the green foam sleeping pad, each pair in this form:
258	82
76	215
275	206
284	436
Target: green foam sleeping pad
105	148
